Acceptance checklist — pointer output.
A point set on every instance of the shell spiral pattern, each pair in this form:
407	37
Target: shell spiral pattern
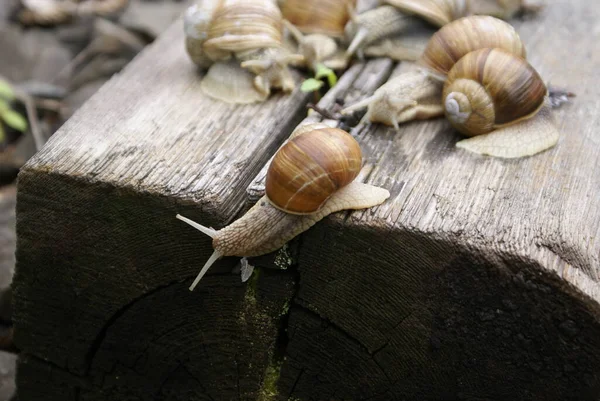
491	88
453	41
312	166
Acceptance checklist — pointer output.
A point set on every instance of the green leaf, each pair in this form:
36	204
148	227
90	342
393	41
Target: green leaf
323	71
4	105
2	134
14	120
311	85
6	90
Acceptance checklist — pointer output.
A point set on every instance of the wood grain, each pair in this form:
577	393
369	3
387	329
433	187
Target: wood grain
101	257
478	279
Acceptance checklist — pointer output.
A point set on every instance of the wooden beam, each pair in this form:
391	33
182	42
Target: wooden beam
102	308
478	278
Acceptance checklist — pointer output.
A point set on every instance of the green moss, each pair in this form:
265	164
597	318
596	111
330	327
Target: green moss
252	286
285	309
283	259
268	391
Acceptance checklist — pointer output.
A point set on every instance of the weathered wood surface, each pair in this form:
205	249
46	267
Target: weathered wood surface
478	279
101	257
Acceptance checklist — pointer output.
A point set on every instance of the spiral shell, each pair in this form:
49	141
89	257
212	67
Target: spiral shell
242	26
491	88
454	40
327	17
436	12
311	167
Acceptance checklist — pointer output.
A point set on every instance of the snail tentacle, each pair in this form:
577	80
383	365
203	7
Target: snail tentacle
206	230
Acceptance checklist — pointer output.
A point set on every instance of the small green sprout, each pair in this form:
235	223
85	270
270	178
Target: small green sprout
10	117
314	84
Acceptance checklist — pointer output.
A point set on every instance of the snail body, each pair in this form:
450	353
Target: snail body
310	177
373	25
219	31
436	12
394	17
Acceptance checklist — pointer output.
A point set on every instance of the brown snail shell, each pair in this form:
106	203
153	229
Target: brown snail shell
454	40
491	88
436	12
309	168
327	17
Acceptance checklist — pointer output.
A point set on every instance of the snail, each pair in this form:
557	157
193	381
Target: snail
476	68
310	177
219	37
500	101
417	94
394	18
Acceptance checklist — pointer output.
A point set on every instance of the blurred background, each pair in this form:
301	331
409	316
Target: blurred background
54	55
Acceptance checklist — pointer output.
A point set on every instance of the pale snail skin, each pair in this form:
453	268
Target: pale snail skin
266	228
393	18
216	35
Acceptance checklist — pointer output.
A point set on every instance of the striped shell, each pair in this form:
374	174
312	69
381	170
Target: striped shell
240	26
327	17
491	88
436	12
454	40
310	167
